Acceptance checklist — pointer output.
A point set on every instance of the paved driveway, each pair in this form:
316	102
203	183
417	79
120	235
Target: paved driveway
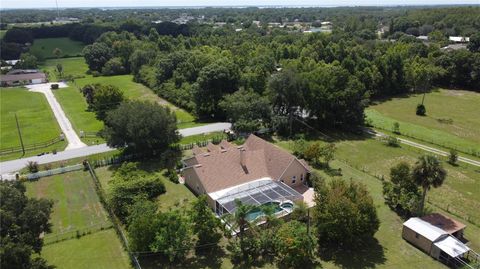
74	141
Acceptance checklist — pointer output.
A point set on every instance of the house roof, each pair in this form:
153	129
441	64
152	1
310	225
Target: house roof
445	223
424	229
18	75
223	166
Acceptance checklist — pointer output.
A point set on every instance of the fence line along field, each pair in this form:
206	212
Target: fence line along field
452	119
82	235
43	48
76	204
36	120
101	250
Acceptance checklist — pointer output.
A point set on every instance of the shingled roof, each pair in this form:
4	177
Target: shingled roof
222	166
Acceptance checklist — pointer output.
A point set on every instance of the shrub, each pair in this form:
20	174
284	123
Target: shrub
392	141
54	86
453	157
172	175
421	110
396	128
32	167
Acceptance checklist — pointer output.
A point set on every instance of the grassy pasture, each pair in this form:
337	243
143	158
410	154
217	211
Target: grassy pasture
36	120
43	48
101	250
356	156
452	120
71	67
76	204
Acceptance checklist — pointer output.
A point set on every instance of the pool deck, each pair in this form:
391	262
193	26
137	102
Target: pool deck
307	193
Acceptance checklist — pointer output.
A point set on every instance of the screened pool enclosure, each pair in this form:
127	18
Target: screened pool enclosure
259	192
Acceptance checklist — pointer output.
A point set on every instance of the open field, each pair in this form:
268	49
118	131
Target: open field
43	48
452	119
71	67
36	120
76	204
101	250
392	251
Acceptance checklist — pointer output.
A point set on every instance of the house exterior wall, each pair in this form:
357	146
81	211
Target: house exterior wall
417	240
193	182
294	169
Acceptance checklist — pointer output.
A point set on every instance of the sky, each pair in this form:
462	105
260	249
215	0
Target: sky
159	3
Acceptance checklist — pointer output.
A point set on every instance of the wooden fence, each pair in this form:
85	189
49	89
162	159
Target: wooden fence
30	147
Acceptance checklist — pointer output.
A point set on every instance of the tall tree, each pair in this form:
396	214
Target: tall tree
174	235
27	61
344	214
428	172
214	81
205	225
97	55
143	127
295	246
22	221
401	193
247	110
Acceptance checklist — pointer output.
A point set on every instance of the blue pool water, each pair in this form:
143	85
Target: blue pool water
252	215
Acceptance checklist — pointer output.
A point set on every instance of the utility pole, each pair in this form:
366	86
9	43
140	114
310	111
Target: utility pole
58	13
20	135
308	221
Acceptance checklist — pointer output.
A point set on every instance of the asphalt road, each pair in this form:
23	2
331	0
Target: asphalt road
9	167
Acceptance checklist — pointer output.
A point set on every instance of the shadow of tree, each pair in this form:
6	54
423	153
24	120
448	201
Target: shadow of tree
369	255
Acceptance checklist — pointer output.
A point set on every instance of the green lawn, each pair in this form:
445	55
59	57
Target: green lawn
43	48
372	156
71	67
101	250
2	33
452	120
75	106
36	119
76	204
175	195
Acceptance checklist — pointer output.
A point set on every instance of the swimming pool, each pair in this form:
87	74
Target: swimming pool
257	212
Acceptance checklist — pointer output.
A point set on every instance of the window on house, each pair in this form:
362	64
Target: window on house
416	235
294	179
301	177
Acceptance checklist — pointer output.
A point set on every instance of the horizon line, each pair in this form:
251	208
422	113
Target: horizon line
234	6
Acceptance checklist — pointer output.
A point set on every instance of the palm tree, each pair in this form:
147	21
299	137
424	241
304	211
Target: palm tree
428	172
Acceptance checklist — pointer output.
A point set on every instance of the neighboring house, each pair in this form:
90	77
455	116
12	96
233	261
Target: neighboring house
256	173
22	77
459	39
453	47
437	235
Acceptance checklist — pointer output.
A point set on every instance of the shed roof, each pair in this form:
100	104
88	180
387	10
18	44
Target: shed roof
445	223
424	228
452	246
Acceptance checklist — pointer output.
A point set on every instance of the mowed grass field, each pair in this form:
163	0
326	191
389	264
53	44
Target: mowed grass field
76	204
36	120
75	66
77	207
43	48
356	156
452	120
75	106
101	250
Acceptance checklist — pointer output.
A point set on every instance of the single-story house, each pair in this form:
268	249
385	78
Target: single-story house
437	239
22	77
459	39
255	173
